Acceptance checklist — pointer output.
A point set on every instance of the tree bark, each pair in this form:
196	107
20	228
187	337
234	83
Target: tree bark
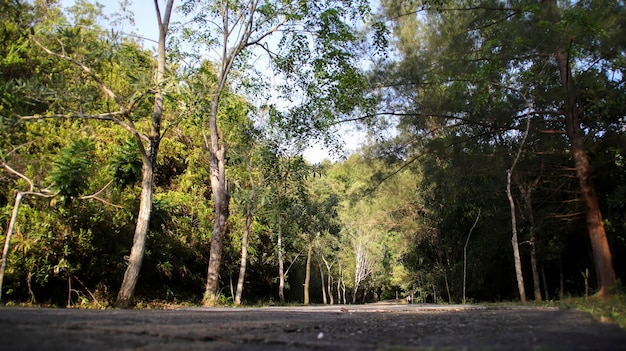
7	240
307	277
465	253
514	241
514	238
281	264
244	259
526	191
561	281
221	198
602	258
127	290
330	282
339	300
535	268
325	301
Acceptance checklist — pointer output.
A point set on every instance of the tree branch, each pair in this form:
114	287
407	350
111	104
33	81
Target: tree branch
87	70
109	116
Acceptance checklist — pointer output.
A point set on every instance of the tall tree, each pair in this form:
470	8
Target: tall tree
318	208
122	116
149	159
313	54
471	57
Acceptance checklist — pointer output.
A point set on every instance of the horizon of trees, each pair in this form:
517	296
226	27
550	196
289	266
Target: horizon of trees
453	98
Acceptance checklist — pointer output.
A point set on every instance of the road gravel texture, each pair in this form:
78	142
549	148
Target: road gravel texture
386	327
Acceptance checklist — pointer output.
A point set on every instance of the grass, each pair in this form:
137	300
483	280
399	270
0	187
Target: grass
606	309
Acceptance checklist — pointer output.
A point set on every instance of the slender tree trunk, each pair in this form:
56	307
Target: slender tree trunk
526	190
602	258
514	241
7	239
514	238
445	277
149	157
307	277
232	289
343	291
281	264
465	254
244	259
29	284
561	281
221	199
331	300
535	268
330	282
324	299
545	283
339	286
131	276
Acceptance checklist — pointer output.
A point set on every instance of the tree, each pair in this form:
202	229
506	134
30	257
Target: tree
317	55
514	237
16	207
288	189
148	158
252	193
318	218
123	117
468	59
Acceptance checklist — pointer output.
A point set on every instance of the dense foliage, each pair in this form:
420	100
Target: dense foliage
420	210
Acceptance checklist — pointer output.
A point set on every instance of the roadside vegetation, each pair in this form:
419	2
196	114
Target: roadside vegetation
492	165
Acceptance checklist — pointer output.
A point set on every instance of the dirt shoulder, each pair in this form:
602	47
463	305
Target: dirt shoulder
364	327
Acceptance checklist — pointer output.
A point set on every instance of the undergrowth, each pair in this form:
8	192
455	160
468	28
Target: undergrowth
607	309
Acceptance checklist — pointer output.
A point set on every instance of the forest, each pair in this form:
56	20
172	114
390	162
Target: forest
492	163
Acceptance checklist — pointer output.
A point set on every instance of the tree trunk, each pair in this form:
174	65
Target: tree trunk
281	264
343	291
445	277
127	290
339	300
561	281
527	191
7	240
220	196
535	268
527	195
307	277
545	284
149	157
244	259
319	264
221	199
465	253
602	258
514	241
330	282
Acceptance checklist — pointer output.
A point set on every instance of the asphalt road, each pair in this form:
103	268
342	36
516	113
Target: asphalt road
386	327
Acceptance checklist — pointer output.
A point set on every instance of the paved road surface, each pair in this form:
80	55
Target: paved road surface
386	327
